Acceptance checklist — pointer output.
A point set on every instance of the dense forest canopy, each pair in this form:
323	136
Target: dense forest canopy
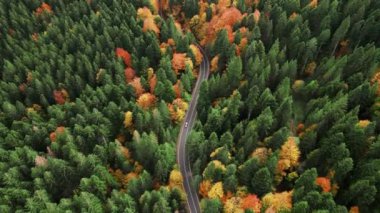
93	94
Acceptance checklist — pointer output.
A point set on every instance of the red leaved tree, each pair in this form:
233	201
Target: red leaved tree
43	8
60	96
121	53
129	74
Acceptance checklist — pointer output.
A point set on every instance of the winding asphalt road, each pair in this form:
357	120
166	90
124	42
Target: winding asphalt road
182	156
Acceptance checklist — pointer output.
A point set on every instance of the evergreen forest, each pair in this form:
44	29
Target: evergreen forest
95	94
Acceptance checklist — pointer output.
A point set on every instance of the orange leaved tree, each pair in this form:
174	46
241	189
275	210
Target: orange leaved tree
251	202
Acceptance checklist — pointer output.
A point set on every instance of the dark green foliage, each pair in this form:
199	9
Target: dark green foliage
261	182
211	205
306	71
72	49
191	8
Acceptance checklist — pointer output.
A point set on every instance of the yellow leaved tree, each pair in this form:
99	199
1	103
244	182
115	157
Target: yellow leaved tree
128	119
278	201
216	191
175	179
233	205
178	109
197	53
261	154
288	158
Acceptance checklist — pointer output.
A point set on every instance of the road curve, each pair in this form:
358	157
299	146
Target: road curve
182	158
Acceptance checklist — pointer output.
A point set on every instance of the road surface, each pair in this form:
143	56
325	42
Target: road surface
182	157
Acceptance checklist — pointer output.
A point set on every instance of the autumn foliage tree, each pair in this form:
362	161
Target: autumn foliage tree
324	183
216	191
129	74
53	135
178	61
288	158
152	83
146	100
278	201
61	96
123	54
149	23
204	188
177	89
197	53
178	109
128	119
232	205
136	84
43	8
224	20
175	179
251	202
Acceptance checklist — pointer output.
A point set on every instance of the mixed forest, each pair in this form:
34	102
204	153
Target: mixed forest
93	94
